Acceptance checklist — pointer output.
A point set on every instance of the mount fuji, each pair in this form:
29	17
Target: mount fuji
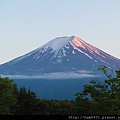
66	56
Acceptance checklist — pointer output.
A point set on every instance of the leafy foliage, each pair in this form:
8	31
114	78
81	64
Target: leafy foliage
105	96
7	96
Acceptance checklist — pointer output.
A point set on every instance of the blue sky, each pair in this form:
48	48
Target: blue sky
28	24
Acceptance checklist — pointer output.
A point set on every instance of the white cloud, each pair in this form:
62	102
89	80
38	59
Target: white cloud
58	75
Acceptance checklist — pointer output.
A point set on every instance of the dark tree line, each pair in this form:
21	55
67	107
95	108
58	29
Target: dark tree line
96	99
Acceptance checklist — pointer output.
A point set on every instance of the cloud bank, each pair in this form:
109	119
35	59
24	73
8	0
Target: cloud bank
58	75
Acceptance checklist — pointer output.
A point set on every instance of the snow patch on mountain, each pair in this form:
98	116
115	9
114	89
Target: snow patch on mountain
76	48
79	43
73	52
57	43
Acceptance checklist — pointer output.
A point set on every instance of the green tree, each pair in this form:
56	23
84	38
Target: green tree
104	98
27	102
7	96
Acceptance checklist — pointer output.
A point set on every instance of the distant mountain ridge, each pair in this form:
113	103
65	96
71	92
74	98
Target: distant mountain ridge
60	55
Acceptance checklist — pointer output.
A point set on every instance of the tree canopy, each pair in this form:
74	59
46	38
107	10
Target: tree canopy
103	97
7	96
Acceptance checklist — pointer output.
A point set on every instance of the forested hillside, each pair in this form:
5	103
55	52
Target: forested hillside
97	98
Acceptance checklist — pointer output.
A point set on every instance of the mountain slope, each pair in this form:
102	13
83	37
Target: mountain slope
62	54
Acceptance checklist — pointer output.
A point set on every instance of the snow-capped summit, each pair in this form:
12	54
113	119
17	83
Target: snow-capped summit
62	54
